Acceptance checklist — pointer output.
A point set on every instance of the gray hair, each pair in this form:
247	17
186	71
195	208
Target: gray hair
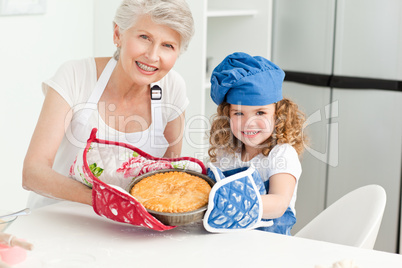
175	14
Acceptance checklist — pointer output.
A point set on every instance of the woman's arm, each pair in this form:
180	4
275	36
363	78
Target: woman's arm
38	175
174	135
281	188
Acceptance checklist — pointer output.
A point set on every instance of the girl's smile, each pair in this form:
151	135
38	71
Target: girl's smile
250	134
252	125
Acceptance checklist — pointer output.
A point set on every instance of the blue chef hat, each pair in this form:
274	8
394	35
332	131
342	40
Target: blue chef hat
245	80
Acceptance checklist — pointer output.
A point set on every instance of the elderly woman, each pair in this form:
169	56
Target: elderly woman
134	97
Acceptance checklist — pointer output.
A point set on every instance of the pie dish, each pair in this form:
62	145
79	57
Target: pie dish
176	218
172	191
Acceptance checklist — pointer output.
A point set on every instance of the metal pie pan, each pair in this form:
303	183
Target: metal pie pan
176	219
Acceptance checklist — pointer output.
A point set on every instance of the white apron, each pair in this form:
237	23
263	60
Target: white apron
151	140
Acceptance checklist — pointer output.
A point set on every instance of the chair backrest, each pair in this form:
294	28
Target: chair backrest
353	220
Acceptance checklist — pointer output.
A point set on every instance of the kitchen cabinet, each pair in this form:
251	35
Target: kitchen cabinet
302	37
355	127
221	28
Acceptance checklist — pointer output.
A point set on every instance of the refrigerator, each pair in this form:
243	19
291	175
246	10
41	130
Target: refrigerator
343	65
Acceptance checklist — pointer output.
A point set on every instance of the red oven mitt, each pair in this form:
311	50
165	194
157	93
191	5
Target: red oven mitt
113	201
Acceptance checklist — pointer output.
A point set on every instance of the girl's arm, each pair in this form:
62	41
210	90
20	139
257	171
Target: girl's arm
174	135
38	175
281	188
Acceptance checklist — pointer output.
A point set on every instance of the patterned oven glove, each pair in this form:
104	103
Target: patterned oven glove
235	200
109	168
119	164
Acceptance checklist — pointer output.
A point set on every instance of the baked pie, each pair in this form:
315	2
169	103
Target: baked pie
172	192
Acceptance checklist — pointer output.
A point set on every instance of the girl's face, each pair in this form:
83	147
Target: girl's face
148	50
252	125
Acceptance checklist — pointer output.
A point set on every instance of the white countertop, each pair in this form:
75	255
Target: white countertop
67	230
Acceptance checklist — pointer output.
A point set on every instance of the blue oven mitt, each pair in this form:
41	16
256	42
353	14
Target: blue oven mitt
224	174
235	200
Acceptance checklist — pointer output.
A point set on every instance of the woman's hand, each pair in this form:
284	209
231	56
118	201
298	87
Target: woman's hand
38	175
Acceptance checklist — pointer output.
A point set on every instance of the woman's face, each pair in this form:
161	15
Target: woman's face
148	50
252	125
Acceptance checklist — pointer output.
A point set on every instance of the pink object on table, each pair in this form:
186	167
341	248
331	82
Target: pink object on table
12	255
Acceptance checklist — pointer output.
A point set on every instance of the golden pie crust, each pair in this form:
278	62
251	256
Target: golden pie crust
172	192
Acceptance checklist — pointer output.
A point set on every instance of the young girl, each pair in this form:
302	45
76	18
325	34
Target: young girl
256	126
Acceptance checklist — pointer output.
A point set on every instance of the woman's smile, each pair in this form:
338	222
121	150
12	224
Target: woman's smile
145	67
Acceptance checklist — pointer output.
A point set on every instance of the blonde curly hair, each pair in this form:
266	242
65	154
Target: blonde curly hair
289	122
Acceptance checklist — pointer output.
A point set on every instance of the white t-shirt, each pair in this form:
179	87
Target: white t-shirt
283	158
75	81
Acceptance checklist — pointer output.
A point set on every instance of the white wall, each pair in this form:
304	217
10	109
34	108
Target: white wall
104	12
32	47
